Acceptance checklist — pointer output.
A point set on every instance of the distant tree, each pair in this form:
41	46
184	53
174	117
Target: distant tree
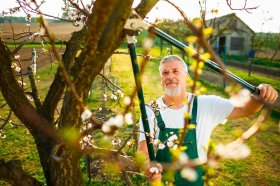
273	43
177	29
258	41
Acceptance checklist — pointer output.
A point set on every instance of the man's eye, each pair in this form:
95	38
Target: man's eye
164	73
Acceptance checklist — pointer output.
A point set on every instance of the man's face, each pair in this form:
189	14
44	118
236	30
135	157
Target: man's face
173	78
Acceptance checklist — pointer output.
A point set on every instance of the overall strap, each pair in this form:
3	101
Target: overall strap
194	111
161	124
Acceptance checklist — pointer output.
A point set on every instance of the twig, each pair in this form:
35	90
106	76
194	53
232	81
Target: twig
35	92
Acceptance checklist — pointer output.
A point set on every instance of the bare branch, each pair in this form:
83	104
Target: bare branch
35	92
247	9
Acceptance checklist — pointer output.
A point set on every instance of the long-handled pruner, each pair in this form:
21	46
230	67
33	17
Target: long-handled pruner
134	27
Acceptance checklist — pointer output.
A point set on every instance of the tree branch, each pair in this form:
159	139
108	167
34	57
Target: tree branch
13	173
35	93
15	97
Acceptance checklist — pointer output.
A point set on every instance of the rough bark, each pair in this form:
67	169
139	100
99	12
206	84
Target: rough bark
104	34
13	173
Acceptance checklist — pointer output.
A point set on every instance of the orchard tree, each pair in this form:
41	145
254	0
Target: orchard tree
258	41
106	19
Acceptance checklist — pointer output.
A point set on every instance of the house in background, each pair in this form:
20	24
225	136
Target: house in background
230	35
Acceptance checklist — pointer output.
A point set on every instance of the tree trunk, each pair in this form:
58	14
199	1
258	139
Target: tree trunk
273	56
59	155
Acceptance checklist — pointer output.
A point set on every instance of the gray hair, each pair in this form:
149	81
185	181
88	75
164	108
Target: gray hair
172	58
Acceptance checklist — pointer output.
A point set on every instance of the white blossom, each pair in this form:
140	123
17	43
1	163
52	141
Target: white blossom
147	43
16	57
120	93
42	30
189	174
2	135
169	144
115	121
119	120
21	84
229	152
154	170
241	98
156	141
86	114
172	138
28	17
175	147
116	141
127	100
183	158
106	129
114	96
30	98
17	69
161	146
128	118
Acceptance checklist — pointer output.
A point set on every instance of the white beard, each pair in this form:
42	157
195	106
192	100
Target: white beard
172	91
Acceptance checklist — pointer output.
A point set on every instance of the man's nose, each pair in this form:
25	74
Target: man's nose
170	75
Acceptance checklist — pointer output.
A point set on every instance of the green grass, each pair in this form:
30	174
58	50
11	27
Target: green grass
35	45
255	78
261	168
257	61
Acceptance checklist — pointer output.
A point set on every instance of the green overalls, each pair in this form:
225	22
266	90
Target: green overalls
163	155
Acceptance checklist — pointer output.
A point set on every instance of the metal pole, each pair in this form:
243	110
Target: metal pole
225	64
131	46
34	56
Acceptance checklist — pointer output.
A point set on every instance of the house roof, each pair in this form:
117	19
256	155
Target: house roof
230	16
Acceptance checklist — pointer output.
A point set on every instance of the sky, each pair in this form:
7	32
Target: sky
266	18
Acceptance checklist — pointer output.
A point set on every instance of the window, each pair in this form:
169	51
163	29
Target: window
236	43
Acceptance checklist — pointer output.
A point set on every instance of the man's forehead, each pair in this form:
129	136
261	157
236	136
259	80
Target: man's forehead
172	65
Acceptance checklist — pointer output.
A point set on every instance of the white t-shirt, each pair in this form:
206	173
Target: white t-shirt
211	110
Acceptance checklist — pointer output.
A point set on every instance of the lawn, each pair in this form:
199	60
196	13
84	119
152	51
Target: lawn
261	168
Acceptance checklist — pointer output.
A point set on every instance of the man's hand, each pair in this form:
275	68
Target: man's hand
267	93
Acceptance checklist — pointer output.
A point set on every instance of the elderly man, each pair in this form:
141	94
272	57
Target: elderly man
207	112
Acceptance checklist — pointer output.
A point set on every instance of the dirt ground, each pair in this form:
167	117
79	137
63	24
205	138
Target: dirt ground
61	31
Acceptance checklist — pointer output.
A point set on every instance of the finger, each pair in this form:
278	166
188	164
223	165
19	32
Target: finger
262	89
159	166
274	97
267	96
